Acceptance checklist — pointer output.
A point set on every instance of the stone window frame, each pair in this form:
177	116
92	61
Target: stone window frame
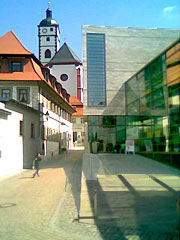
28	94
5	88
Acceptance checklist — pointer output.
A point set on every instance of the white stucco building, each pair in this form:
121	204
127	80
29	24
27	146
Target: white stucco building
11	146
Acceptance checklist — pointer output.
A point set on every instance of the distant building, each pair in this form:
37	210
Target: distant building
78	122
43	101
67	68
63	63
111	56
49	37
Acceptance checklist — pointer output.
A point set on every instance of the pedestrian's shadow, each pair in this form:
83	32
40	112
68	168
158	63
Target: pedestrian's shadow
24	177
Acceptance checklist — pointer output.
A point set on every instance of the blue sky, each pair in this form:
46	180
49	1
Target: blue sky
23	16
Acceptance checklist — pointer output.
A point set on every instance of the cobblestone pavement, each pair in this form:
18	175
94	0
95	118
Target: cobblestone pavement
47	207
27	204
109	228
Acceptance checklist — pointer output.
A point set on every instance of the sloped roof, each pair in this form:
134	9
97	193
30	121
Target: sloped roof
75	101
32	72
65	55
10	44
79	111
77	104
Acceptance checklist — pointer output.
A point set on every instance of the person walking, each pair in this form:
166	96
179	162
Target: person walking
36	165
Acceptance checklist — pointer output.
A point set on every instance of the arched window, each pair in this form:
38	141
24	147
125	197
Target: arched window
47	53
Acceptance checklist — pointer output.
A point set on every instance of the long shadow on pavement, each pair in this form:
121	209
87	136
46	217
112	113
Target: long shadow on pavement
71	162
153	211
108	227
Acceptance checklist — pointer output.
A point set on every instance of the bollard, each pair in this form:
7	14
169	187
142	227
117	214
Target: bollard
95	203
178	212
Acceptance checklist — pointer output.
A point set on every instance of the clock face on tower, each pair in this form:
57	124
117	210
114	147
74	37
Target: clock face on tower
44	30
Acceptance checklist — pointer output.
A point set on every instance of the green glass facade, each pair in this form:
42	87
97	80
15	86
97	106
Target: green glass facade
152	109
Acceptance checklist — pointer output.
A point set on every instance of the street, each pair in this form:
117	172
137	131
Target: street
136	199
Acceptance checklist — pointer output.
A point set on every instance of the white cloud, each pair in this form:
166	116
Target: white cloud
169	9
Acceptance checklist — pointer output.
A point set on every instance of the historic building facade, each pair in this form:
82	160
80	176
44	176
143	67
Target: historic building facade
25	80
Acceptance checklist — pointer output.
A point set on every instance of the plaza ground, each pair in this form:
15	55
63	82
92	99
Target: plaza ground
136	199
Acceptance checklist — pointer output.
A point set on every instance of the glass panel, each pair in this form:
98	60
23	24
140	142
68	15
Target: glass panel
96	79
16	67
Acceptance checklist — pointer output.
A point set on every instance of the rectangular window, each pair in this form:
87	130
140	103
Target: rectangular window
74	136
32	130
5	93
74	120
16	67
96	69
21	128
82	120
23	95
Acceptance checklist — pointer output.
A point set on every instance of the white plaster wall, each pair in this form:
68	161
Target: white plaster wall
31	145
71	84
44	42
43	49
11	143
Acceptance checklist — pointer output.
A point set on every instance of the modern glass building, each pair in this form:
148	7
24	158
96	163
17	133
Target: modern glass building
123	103
153	104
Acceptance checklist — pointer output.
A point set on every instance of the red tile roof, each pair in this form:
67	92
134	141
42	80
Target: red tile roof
31	72
77	104
75	101
10	44
32	69
79	111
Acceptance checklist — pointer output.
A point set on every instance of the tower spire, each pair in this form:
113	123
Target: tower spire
49	11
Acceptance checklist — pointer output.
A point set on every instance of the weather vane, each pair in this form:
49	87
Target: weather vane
49	4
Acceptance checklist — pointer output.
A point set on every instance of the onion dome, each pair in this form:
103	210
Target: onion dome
48	21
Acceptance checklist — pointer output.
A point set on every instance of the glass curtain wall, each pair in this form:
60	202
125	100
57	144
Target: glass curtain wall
153	94
152	110
109	132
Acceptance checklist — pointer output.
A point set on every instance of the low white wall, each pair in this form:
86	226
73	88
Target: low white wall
11	143
52	148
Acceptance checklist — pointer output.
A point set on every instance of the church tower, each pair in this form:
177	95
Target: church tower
49	37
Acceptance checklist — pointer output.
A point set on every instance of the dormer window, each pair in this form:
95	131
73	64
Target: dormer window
16	66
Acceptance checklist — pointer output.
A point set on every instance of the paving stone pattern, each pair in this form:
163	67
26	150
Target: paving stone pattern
47	207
